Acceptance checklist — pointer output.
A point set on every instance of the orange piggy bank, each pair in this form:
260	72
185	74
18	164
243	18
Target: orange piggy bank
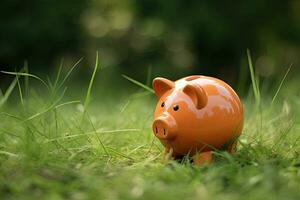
196	115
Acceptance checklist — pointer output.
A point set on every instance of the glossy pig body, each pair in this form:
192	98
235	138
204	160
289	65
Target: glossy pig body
196	114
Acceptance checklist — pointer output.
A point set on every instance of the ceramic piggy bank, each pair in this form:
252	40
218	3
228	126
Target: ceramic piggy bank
196	115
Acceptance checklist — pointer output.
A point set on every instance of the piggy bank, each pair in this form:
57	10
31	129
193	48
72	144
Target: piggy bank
196	115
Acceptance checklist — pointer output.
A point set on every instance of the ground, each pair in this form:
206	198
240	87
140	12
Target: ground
101	148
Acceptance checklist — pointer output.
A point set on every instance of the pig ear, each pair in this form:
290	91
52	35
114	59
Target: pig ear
197	94
161	86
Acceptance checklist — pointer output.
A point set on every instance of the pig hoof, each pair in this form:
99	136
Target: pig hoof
203	158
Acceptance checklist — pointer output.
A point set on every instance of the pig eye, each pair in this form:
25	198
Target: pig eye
176	107
162	104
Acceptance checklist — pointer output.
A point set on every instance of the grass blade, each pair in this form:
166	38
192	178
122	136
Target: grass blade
10	115
8	153
87	97
47	109
253	79
58	73
119	153
20	91
66	103
8	92
26	79
28	75
98	131
281	83
98	137
70	72
49	83
139	84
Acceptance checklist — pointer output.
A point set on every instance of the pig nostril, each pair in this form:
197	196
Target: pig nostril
164	131
156	131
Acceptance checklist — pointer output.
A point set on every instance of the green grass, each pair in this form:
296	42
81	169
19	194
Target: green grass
53	147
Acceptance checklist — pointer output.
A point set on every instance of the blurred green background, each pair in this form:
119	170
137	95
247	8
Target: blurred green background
79	136
174	38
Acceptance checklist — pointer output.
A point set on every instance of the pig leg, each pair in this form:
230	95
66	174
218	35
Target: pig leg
203	158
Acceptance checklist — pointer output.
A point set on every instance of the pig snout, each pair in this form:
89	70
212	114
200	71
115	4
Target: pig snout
165	127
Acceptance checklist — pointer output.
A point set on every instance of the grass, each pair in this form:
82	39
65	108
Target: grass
52	147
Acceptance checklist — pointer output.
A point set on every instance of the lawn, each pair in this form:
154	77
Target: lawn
85	146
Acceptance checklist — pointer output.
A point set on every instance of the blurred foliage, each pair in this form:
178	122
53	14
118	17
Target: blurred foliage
176	38
39	31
